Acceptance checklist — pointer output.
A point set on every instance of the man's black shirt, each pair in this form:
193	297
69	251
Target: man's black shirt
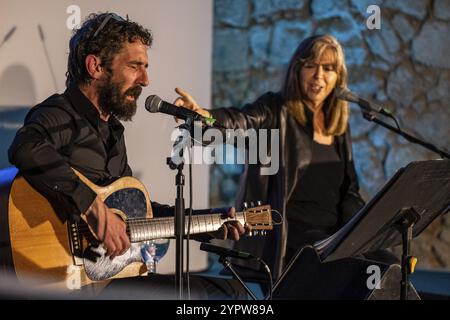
62	132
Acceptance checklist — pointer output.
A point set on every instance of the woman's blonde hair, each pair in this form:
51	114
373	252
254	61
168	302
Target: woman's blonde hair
336	111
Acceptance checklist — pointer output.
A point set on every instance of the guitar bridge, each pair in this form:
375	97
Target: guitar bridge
76	245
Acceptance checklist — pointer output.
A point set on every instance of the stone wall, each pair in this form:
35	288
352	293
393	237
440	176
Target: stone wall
405	65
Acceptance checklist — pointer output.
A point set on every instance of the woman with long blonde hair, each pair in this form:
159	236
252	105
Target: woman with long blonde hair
315	188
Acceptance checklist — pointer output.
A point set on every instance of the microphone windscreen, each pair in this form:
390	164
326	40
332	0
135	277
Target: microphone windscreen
152	103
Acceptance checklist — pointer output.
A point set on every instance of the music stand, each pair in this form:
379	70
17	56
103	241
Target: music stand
415	196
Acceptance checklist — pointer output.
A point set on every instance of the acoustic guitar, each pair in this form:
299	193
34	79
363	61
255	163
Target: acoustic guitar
47	252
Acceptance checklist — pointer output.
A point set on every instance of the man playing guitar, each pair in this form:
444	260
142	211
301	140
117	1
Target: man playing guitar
80	129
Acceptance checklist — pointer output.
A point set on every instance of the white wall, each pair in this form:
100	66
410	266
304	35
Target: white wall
180	56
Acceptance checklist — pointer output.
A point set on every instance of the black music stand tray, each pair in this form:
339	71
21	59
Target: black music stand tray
423	186
415	196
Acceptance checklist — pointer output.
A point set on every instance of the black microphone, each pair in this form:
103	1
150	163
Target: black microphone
225	252
345	94
50	66
155	104
8	35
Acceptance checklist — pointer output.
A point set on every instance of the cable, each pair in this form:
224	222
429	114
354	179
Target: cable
201	143
189	225
281	218
395	120
266	267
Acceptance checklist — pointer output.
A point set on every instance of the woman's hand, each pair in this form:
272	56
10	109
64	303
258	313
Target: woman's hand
186	101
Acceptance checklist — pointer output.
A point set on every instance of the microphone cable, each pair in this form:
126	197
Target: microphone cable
188	284
266	267
188	233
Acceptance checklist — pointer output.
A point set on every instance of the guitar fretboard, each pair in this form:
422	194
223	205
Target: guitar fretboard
148	229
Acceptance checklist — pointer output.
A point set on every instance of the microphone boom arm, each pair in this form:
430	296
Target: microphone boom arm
369	116
368	109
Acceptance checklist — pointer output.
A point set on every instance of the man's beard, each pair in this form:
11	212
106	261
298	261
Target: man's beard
113	102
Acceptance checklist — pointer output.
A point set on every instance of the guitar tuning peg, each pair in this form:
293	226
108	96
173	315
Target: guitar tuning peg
259	203
256	232
245	205
263	232
252	204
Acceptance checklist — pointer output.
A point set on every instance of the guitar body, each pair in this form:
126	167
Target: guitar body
44	249
46	252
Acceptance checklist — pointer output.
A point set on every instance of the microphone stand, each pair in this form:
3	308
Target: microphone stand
368	114
49	61
176	162
404	225
227	264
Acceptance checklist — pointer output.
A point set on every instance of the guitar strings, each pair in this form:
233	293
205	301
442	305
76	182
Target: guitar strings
137	222
154	228
162	220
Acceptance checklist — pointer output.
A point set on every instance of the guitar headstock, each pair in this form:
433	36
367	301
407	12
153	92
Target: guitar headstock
259	218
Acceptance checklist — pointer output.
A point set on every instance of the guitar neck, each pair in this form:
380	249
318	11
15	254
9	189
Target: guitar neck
157	228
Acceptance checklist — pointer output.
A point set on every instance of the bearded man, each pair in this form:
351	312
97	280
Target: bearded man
80	129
